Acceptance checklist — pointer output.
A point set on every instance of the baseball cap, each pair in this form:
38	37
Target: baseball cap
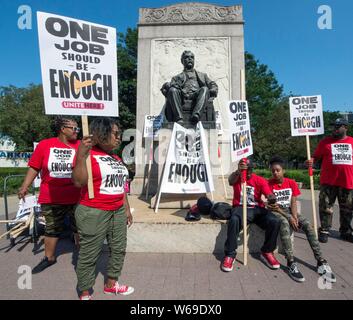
340	122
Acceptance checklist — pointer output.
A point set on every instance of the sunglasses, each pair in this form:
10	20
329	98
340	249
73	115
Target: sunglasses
117	134
75	129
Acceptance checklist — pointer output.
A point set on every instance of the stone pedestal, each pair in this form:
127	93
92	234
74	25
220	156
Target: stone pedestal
215	35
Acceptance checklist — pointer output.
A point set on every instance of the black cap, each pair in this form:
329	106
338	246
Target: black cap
340	122
204	205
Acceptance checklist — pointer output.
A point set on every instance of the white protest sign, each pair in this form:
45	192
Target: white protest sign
152	125
219	125
37	180
79	66
187	169
306	116
26	207
239	130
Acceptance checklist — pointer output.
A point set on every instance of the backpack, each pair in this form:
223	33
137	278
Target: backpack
221	211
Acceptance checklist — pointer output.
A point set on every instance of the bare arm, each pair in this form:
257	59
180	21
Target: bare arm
127	210
294	208
30	176
79	173
233	178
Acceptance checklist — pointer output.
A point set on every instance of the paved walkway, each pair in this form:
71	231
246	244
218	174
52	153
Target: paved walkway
184	276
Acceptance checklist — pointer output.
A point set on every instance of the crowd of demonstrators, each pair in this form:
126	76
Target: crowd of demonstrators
336	180
286	191
256	213
106	215
58	196
64	192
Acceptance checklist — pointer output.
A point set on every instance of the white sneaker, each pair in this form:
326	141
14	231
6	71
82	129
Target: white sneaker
324	270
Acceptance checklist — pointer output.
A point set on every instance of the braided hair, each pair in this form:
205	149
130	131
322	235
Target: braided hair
59	122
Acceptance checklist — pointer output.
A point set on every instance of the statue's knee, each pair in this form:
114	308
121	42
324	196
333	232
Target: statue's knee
173	91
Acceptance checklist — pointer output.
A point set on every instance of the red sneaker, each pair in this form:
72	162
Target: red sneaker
270	260
227	264
118	289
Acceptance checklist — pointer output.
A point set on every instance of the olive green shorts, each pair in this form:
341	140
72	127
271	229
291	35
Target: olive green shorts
54	215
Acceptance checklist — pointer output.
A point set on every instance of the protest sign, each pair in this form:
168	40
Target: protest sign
239	129
152	125
219	124
79	66
306	116
187	169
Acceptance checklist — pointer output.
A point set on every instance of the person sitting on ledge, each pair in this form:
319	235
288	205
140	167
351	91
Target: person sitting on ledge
256	213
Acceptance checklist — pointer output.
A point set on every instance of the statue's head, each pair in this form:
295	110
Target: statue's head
188	59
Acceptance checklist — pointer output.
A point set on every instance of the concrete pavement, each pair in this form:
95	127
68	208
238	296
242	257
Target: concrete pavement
184	276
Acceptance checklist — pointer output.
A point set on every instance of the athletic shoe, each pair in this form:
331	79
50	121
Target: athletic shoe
86	297
227	264
118	289
270	260
347	237
323	236
324	270
45	263
294	272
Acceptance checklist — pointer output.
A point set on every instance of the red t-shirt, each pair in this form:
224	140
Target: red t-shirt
109	179
54	159
255	187
285	191
337	166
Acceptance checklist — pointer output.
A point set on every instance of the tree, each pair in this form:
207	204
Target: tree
127	71
22	116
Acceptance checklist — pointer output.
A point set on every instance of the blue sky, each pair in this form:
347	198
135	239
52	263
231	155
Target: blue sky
282	34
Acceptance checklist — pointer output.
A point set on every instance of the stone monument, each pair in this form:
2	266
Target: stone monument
215	37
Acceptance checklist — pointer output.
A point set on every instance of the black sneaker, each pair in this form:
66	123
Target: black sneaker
323	236
294	273
347	237
324	270
45	263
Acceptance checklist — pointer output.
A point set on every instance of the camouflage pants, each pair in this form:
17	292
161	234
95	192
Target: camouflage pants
285	235
327	198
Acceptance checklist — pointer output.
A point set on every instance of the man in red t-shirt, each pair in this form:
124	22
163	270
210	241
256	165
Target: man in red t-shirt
256	213
336	180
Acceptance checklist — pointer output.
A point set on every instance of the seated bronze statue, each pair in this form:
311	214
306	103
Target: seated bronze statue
190	94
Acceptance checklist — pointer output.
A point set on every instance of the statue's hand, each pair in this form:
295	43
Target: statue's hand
165	88
213	92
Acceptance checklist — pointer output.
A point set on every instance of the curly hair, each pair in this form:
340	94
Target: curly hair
60	121
101	129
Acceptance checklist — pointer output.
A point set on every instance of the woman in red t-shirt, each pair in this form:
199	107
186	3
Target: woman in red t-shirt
58	196
106	215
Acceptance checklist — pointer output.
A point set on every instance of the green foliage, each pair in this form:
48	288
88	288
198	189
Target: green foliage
298	175
22	116
13	183
127	71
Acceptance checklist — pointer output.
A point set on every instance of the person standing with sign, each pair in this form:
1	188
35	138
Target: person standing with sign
256	213
286	192
58	196
108	213
336	180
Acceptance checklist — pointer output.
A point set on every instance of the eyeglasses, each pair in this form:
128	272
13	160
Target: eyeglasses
75	129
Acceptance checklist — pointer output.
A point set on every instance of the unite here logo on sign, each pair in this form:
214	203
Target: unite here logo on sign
239	130
79	66
306	116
